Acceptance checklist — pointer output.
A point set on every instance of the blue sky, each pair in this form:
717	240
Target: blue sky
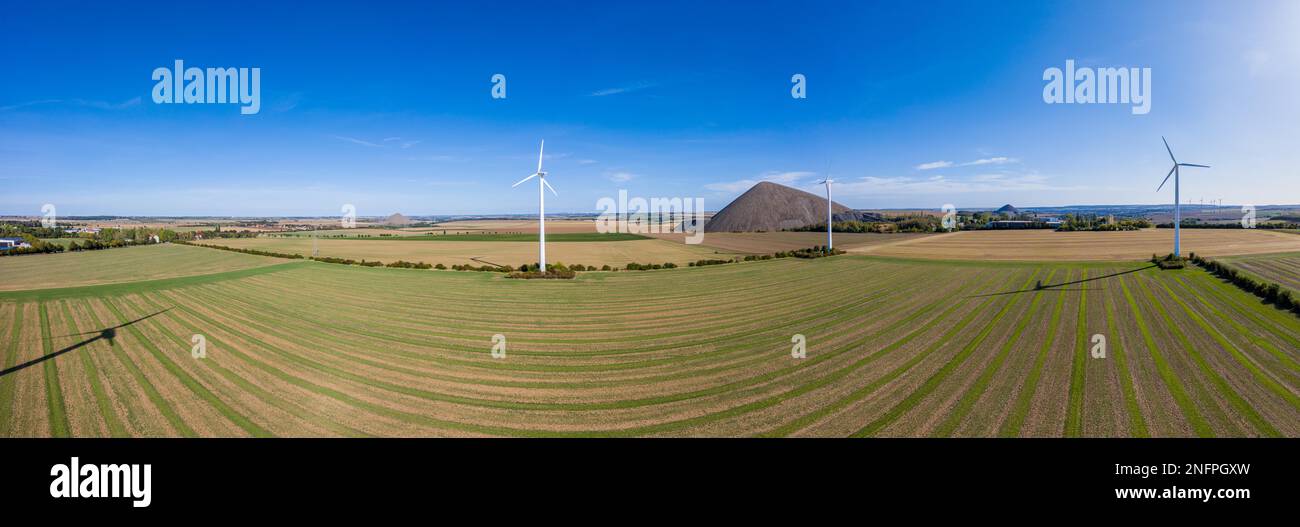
388	106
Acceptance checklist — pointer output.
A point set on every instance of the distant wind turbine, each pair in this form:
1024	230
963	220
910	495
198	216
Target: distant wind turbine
1178	215
830	242
541	206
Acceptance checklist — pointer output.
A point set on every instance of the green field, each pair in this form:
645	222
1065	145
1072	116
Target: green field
123	264
894	348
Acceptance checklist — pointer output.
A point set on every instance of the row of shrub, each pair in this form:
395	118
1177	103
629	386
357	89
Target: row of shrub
816	251
533	270
1169	261
648	267
550	274
1271	292
255	252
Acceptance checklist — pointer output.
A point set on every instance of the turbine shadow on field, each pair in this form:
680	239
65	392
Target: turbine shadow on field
480	259
106	333
1057	287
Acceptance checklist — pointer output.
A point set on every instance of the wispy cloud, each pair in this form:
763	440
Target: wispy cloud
587	161
402	143
361	142
991	161
784	178
621	89
980	183
978	162
620	177
933	165
29	103
134	101
101	105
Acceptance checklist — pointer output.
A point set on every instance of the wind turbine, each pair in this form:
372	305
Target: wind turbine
830	242
1178	215
541	205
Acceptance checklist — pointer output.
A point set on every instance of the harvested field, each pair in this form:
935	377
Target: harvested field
771	242
1282	269
124	264
476	253
1040	245
312	349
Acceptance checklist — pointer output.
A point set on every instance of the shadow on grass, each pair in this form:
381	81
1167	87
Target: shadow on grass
104	334
1057	287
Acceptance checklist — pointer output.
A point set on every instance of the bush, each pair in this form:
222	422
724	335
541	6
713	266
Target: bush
1169	261
531	275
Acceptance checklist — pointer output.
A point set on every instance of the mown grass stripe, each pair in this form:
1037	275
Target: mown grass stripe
58	414
1219	383
7	382
102	401
189	382
816	415
253	389
972	394
915	398
1078	368
1137	424
1238	301
105	290
1241	359
341	373
1011	426
1175	386
150	391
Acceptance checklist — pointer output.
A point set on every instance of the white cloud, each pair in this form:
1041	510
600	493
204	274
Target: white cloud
991	161
1001	160
785	178
587	161
933	165
620	177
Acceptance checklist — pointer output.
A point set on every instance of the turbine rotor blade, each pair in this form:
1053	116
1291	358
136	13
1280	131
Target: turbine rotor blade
548	185
523	180
1171	173
539	155
1167	149
1193	165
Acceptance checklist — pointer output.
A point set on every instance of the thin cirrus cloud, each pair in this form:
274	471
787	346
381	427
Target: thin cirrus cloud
621	89
784	178
1001	160
101	105
907	185
383	143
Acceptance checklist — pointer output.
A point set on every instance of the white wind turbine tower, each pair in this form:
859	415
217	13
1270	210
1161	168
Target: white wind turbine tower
1178	216
830	242
541	206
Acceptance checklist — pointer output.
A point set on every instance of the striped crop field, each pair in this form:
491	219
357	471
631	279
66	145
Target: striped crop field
1282	269
893	348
